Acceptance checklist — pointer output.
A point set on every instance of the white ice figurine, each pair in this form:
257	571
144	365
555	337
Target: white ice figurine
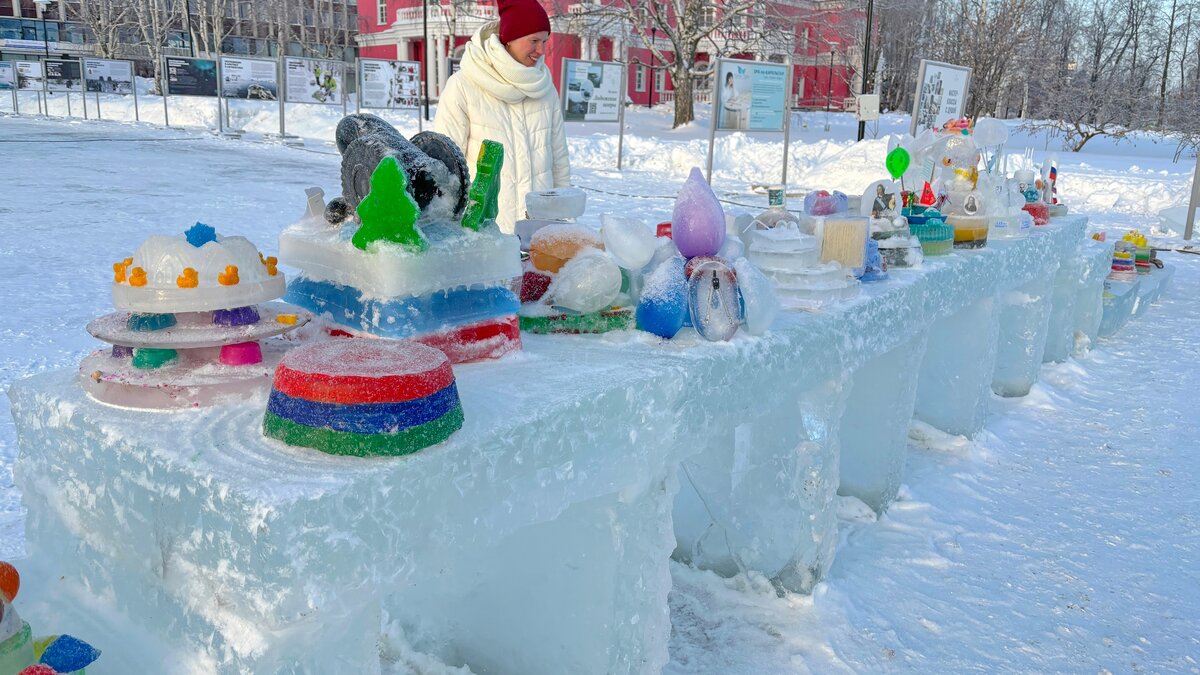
315	213
588	282
758	297
629	241
558	204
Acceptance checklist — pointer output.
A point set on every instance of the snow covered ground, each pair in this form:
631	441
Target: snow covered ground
1064	538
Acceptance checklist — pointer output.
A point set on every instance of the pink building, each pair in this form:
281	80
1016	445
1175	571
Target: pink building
392	29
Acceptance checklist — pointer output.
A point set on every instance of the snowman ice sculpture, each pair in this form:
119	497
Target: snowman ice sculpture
964	203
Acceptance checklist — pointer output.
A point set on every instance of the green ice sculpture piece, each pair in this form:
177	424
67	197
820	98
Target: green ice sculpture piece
388	212
485	189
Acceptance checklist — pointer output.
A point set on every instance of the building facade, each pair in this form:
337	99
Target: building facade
266	28
821	37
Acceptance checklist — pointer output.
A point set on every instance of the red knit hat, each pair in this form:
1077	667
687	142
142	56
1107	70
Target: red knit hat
519	18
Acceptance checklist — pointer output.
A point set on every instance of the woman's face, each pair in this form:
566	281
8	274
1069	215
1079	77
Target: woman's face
527	50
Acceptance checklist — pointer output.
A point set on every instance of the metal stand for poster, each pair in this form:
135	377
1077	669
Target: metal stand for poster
137	117
621	113
787	120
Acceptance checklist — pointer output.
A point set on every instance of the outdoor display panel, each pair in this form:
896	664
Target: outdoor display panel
313	81
750	95
941	95
389	85
29	76
191	77
249	79
591	90
105	76
63	75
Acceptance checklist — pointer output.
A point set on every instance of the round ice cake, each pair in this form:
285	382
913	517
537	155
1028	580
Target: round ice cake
197	271
363	397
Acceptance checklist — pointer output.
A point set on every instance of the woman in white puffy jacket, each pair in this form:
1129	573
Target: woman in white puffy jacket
503	92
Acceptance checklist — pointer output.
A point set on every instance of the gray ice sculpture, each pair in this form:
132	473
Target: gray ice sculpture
435	166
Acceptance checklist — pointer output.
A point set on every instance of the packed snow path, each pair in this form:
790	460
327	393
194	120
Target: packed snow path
1065	538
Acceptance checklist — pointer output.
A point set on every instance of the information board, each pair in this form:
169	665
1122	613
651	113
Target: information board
62	75
941	95
392	85
314	80
191	77
106	76
750	95
29	76
591	90
8	76
249	79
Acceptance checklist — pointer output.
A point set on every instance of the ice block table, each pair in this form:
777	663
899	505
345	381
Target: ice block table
536	539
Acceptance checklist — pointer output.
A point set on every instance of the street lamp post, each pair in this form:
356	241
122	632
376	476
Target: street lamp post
829	95
653	74
866	72
425	52
41	10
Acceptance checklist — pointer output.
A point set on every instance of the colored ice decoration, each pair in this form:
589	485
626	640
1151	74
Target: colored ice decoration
552	246
876	267
713	301
629	241
759	304
825	203
200	234
897	162
67	654
698	222
482	203
147	322
10	581
588	282
664	305
389	213
364	398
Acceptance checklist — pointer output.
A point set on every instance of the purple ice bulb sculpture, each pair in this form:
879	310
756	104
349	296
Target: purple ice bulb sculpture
698	222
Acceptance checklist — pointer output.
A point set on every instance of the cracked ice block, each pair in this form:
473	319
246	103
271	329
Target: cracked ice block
1060	330
1120	297
1024	321
956	372
883	391
1089	299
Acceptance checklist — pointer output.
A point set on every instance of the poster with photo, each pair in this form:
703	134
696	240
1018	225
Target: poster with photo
191	77
29	76
8	76
591	91
63	75
249	79
313	80
105	76
392	85
750	95
941	95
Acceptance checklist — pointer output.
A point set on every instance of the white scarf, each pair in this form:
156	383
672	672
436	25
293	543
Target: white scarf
489	65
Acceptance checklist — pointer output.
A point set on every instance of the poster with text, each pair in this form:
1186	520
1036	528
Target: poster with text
750	95
393	85
29	76
249	79
105	76
191	77
941	95
313	80
591	91
8	76
63	75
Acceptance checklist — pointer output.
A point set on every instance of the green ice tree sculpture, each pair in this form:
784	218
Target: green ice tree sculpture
388	212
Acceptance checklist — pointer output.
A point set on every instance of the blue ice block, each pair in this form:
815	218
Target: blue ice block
402	317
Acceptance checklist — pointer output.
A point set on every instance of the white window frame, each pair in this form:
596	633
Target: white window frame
660	80
381	12
639	78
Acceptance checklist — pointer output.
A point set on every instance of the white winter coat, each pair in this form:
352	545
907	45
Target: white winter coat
492	97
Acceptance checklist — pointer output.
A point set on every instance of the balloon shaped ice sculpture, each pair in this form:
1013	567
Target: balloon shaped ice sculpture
663	307
629	241
698	221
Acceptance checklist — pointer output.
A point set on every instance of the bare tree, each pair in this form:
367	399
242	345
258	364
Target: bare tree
215	19
105	19
155	20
